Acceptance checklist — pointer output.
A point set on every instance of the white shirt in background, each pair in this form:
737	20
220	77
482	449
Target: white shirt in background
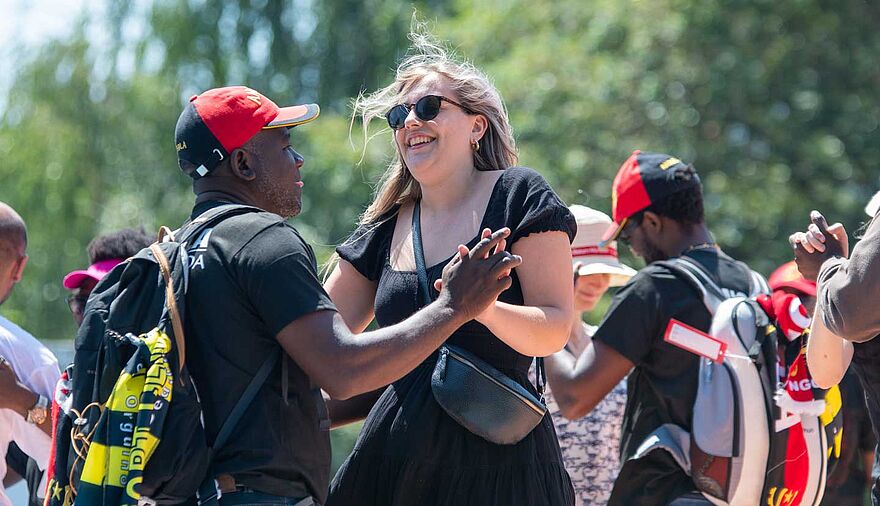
37	369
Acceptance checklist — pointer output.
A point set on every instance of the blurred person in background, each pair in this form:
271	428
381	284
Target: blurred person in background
850	481
105	253
28	370
590	445
454	164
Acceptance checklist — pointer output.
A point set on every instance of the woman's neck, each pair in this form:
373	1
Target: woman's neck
451	193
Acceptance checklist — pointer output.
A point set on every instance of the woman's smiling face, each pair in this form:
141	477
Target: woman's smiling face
432	149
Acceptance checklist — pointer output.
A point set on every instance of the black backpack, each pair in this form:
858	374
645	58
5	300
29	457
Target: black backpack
139	297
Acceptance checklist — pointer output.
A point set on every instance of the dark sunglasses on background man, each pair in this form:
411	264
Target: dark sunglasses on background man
77	303
630	226
427	108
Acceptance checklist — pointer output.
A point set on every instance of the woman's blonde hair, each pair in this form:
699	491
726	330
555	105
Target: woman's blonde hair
475	92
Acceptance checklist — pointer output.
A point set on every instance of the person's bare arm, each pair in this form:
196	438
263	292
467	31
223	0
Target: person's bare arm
541	325
354	409
344	365
578	386
18	398
352	294
828	355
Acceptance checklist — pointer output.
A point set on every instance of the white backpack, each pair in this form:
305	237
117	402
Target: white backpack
737	453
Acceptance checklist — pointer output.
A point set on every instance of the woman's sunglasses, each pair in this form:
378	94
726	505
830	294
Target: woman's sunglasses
427	108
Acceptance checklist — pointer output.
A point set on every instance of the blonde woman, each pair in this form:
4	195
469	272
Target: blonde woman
455	163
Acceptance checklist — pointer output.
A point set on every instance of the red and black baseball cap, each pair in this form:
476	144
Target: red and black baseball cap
645	178
218	121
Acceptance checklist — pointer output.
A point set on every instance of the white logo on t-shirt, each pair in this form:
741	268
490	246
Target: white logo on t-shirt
197	252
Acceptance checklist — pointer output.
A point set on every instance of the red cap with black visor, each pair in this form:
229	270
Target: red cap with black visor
644	178
218	121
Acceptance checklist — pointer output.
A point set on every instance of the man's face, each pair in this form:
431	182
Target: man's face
640	242
78	297
10	272
277	171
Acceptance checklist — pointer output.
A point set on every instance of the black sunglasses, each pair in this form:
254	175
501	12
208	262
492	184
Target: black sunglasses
427	108
632	223
77	303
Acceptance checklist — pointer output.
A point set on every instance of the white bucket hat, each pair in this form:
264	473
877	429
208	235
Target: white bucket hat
585	249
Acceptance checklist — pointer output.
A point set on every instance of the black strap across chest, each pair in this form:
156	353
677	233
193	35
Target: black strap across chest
425	287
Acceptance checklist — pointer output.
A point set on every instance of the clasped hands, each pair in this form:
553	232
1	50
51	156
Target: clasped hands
817	244
474	278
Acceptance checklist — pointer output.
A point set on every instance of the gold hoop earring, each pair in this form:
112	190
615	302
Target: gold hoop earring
475	145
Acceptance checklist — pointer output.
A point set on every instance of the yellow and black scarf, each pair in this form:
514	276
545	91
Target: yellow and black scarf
130	427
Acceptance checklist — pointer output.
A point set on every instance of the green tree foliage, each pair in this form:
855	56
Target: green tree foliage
774	102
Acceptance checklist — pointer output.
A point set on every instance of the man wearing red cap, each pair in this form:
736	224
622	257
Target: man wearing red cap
657	207
253	285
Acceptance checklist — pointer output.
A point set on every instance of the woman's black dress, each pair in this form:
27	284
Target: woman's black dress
410	452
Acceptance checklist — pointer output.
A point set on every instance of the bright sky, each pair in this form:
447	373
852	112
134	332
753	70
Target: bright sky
29	23
32	21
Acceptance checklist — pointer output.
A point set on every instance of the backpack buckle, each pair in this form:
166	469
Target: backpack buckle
209	492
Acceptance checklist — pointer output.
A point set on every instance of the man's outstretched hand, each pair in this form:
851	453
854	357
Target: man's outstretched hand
474	278
819	243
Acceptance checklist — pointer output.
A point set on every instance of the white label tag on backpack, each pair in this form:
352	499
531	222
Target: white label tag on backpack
695	341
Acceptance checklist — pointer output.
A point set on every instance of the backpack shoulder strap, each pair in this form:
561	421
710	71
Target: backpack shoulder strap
694	275
209	490
210	218
759	284
193	228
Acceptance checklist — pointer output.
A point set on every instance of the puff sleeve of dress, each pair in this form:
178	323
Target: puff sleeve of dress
367	247
532	206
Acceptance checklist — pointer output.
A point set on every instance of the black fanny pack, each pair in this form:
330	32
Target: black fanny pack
479	397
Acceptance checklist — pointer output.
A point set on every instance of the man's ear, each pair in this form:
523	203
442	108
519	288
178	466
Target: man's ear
18	270
652	221
241	164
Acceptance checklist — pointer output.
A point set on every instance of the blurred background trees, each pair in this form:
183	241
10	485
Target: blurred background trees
776	103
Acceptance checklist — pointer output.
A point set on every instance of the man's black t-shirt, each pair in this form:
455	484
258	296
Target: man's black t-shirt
662	387
847	483
866	356
250	276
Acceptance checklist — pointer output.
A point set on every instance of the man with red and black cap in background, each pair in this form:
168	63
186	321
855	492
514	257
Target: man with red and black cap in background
253	285
657	208
794	298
